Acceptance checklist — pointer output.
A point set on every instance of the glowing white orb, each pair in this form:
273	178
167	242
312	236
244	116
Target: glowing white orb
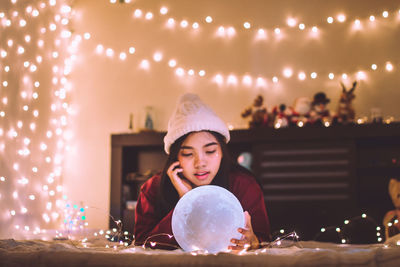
207	218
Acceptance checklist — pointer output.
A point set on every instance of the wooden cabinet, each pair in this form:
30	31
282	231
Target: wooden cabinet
312	177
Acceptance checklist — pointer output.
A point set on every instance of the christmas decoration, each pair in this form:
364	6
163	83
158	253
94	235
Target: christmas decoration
281	115
319	114
206	219
391	218
345	112
258	113
300	111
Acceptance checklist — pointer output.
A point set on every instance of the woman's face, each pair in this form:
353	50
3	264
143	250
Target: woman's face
200	157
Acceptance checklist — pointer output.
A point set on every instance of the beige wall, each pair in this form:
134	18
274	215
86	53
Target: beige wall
106	90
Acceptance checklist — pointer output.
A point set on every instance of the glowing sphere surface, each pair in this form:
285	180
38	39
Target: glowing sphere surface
206	218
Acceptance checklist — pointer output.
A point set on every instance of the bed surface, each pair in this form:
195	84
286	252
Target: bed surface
302	253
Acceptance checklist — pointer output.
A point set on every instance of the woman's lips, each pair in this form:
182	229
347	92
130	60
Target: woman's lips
201	175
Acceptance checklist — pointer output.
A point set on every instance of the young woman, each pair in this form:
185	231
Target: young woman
196	144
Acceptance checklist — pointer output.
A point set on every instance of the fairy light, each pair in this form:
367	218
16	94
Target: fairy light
209	19
389	66
313	75
287	72
184	23
149	15
172	63
341	18
163	10
28	74
291	22
329	20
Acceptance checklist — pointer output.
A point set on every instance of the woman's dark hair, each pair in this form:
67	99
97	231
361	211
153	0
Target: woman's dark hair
168	196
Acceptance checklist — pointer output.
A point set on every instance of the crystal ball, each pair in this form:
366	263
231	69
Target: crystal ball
206	218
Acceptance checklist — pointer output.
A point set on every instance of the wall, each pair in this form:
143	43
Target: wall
107	89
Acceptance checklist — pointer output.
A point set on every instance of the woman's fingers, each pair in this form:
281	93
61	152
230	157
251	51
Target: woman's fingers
181	186
249	239
247	220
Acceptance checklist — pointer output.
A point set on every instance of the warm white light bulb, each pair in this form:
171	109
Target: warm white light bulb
331	76
157	56
231	31
275	79
149	15
247	80
144	64
341	18
170	22
277	31
247	25
209	19
361	75
314	29
292	22
329	20
302	76
314	75
195	25
122	56
202	73
163	10
287	72
180	72
232	79
132	50
172	63
109	52
260	82
344	76
302	26
137	13
374	67
389	66
385	14
184	23
261	34
372	18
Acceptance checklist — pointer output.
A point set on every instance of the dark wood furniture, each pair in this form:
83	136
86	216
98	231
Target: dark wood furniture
312	177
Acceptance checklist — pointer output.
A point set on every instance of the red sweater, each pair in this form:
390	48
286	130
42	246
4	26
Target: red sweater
242	185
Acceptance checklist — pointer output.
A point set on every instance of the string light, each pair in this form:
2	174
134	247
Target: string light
26	200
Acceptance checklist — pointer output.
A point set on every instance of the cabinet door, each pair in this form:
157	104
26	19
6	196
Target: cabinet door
307	184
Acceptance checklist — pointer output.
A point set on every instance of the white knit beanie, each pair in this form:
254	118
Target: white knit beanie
192	115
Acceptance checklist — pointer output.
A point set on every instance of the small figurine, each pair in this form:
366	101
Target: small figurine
345	112
319	114
391	221
258	113
281	115
301	111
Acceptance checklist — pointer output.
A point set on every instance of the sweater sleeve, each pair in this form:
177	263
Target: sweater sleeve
250	195
148	228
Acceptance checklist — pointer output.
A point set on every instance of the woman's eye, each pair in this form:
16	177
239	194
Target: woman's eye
186	154
211	151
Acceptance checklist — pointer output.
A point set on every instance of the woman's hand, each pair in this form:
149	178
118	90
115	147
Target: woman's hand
181	185
249	240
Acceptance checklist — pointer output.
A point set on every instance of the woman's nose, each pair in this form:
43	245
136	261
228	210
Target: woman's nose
199	161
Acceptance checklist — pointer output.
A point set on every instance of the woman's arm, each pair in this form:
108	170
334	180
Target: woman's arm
148	228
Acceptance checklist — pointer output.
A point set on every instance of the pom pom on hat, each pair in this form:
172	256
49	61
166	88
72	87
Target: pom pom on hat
192	115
